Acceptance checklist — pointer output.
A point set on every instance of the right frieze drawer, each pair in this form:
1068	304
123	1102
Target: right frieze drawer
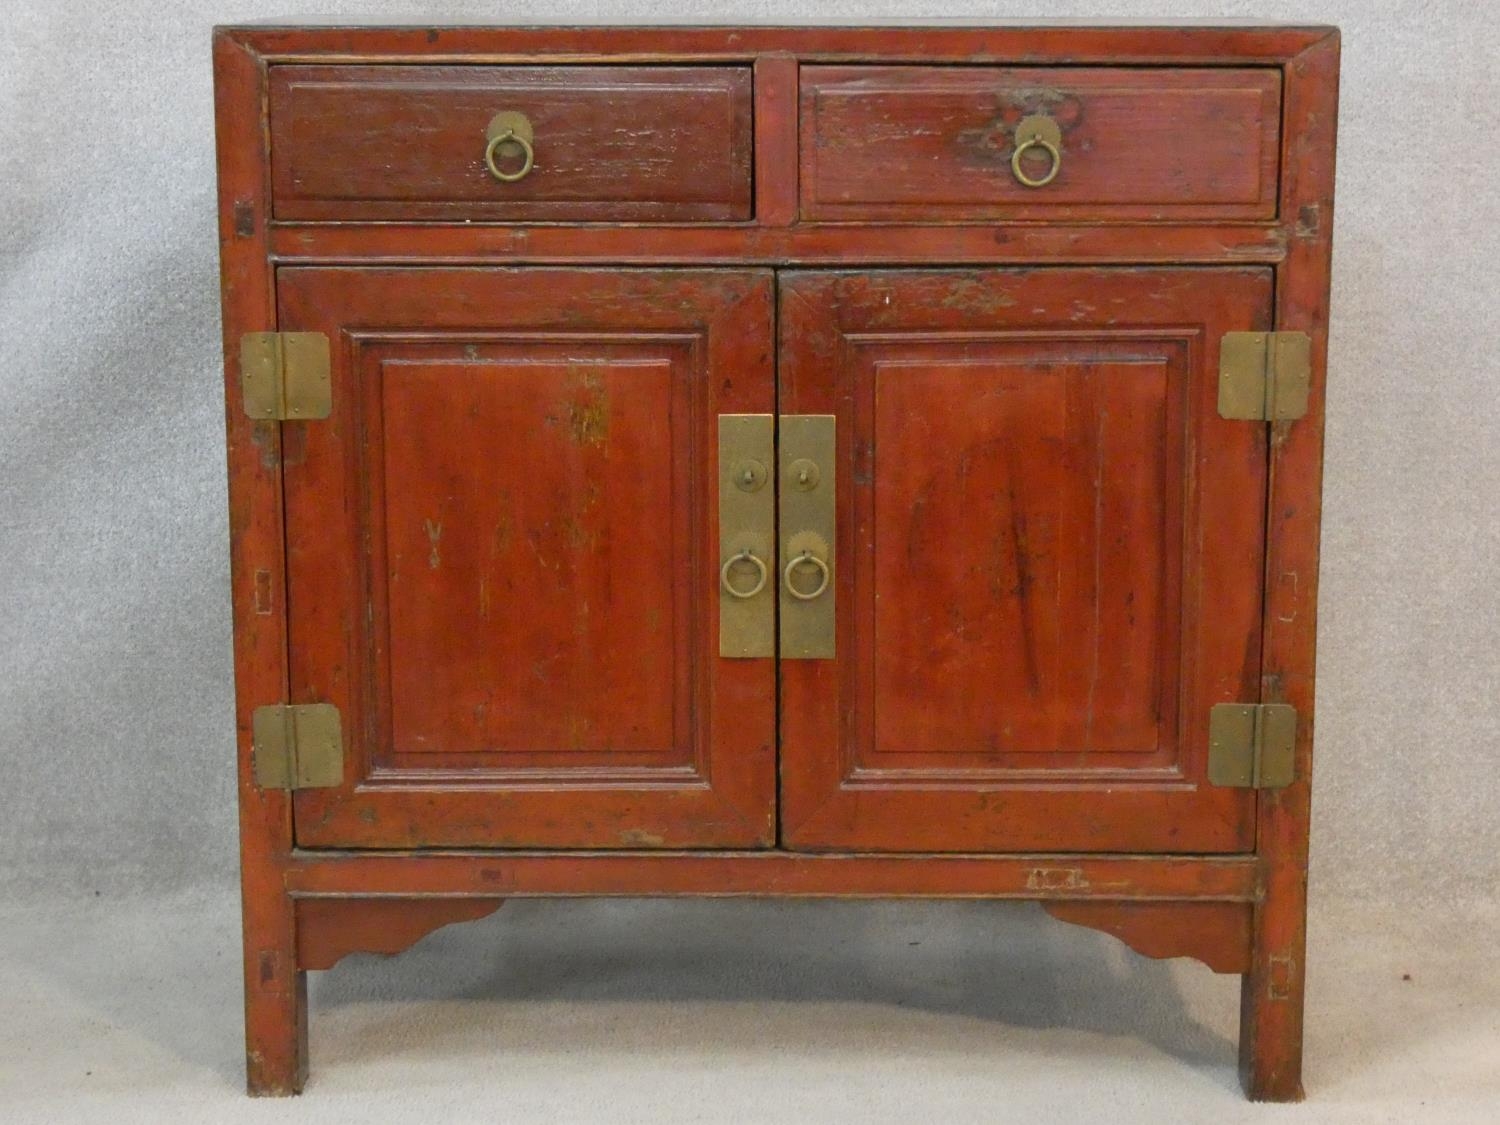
938	143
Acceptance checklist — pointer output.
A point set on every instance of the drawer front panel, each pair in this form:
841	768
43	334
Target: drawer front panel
916	143
610	143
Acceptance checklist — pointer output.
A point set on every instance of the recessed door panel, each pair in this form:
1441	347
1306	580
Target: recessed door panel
503	559
1030	530
525	623
1051	551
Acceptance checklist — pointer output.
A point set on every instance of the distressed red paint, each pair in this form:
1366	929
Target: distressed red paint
498	555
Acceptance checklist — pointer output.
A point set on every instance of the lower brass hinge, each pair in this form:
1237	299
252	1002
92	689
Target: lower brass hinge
1264	376
298	746
1252	745
286	376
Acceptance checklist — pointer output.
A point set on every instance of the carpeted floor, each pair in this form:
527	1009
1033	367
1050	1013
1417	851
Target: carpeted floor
653	1011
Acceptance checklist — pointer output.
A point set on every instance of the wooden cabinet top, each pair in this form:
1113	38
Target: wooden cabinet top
1029	41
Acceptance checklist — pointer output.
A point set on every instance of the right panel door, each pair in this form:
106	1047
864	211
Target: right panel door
1047	559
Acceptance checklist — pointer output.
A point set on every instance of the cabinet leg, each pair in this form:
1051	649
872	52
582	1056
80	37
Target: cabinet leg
1271	1007
275	1004
276	1036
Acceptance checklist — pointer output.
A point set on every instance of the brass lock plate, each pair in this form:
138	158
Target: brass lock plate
746	566
806	482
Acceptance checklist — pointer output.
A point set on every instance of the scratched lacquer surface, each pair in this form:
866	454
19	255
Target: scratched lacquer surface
612	143
1133	143
502	564
1053	550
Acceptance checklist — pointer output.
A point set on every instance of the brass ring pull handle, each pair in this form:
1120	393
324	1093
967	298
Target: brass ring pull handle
513	128
811	560
760	582
1038	132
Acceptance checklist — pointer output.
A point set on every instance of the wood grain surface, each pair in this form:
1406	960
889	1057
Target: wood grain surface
1053	549
936	143
611	142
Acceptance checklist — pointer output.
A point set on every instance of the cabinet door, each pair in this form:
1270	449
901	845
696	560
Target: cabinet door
1049	554
503	557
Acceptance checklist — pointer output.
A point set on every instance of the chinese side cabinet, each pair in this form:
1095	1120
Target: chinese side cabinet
820	462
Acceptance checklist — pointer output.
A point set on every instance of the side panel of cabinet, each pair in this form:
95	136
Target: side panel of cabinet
1051	552
503	557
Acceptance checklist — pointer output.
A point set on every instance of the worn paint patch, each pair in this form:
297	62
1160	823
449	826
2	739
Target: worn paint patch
1281	971
588	413
1272	246
579	726
578	536
640	838
589	421
994	141
434	537
265	436
1288	591
502	878
263	599
972	296
1056	879
1309	219
504	528
1064	106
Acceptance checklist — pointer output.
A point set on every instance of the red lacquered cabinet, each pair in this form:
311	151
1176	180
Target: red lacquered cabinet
821	462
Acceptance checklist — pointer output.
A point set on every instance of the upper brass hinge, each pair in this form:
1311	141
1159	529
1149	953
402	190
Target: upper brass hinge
1252	745
286	376
1264	376
298	746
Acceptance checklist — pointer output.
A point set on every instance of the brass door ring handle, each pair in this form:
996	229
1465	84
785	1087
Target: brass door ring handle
811	560
513	128
744	556
1040	132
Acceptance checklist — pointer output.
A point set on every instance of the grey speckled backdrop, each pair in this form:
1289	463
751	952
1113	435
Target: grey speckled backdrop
115	696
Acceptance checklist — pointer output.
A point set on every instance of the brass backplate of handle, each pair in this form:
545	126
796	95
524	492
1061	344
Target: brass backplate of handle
509	130
746	567
1039	134
805	481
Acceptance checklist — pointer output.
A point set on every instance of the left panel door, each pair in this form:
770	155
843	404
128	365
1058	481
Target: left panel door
503	557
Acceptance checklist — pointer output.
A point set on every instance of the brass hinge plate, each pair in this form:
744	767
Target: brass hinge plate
1252	745
1264	376
298	746
286	376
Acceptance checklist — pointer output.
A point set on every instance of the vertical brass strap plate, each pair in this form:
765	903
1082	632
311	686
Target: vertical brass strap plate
1264	376
1252	745
746	567
298	747
286	376
806	483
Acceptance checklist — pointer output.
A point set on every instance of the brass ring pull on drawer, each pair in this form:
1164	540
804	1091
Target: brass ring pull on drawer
1036	132
744	556
811	560
514	128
